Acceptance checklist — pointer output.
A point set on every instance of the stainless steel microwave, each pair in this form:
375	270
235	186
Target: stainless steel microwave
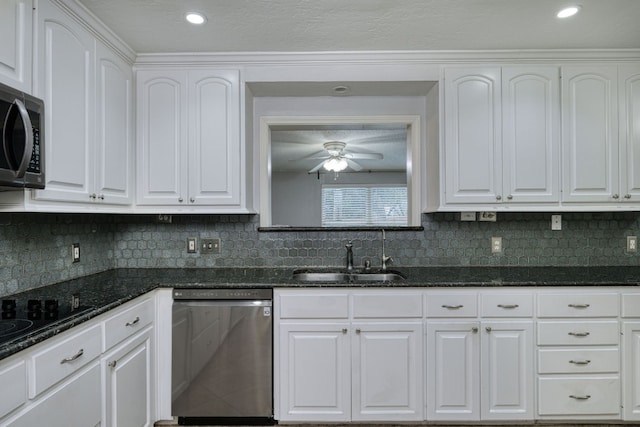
22	133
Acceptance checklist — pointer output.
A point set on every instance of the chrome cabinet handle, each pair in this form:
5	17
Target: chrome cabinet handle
72	358
508	306
133	322
498	197
474	330
112	364
627	196
579	334
510	197
585	397
92	196
180	200
616	196
344	330
101	197
580	362
192	200
488	329
452	307
358	331
579	305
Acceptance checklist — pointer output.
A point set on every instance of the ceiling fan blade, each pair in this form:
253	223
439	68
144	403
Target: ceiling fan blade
319	155
353	165
364	156
317	168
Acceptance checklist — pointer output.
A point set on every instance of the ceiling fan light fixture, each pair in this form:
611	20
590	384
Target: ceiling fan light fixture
336	164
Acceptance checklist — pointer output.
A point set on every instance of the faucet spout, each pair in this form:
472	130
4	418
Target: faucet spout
385	259
349	247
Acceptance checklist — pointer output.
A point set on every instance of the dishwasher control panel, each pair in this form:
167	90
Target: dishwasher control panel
223	294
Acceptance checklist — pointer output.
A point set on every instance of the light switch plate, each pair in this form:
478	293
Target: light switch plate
209	246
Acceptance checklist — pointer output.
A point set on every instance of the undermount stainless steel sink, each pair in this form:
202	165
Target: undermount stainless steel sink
347	277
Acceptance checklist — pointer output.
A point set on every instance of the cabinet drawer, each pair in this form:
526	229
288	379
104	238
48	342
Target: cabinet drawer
593	395
387	305
452	304
569	361
506	305
576	304
63	358
314	306
128	322
630	305
13	392
578	333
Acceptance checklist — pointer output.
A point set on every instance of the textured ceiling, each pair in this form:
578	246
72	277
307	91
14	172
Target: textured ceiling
150	26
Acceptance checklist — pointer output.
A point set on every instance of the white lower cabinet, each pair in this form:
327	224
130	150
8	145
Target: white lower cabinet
631	356
479	370
128	382
332	365
101	373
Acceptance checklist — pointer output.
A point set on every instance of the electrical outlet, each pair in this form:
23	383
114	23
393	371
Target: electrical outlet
75	252
75	302
467	216
496	245
164	219
192	246
556	222
210	246
487	216
632	244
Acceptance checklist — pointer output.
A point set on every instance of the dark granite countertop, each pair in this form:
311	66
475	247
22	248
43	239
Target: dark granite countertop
107	290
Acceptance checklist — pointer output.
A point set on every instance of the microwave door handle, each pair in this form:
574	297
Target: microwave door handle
28	134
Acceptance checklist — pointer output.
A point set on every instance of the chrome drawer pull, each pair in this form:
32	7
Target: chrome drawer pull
579	334
474	330
72	358
579	305
508	306
344	330
133	322
112	364
358	331
580	362
580	397
452	307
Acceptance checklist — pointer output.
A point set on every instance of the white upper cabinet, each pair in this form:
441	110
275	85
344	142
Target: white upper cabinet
189	143
629	97
473	154
114	129
66	83
590	133
502	136
531	134
87	89
16	46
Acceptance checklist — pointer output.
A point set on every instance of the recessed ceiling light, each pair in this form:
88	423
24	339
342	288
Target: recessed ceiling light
568	11
195	18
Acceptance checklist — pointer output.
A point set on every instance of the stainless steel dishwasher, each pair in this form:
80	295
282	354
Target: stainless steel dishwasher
222	370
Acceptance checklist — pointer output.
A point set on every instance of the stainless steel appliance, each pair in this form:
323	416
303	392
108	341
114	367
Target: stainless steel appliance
222	356
22	133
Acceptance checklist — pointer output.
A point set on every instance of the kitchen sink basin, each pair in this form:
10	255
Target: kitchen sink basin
347	277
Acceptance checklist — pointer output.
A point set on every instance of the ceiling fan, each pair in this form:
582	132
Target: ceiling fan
335	157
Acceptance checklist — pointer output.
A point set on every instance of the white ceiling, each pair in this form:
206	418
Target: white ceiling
289	146
155	26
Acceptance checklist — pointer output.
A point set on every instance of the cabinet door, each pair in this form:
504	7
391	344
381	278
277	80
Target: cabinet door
629	95
590	133
315	375
76	404
631	370
15	49
507	368
387	372
66	83
473	153
162	135
214	139
531	133
128	387
113	129
453	371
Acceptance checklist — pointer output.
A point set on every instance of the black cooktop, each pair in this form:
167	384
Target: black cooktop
20	318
